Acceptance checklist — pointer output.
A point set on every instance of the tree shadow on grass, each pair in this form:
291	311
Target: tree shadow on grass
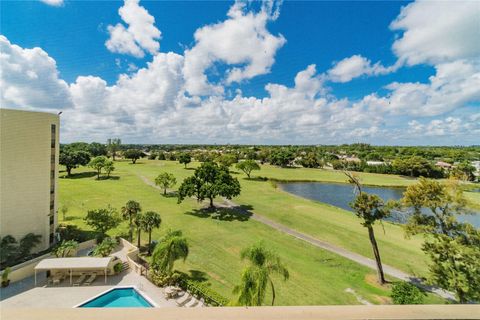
189	168
256	178
171	194
239	213
109	178
81	175
197	275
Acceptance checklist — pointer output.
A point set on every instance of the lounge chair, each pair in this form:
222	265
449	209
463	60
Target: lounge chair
92	278
80	279
192	303
57	278
183	299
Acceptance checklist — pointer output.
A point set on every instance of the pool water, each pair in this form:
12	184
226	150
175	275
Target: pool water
118	298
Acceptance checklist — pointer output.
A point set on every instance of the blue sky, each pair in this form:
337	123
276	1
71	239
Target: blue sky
383	72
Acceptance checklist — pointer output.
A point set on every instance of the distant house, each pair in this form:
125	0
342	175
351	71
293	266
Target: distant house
352	159
476	164
375	163
444	165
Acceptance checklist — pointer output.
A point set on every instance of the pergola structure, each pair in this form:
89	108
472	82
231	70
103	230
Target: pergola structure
74	265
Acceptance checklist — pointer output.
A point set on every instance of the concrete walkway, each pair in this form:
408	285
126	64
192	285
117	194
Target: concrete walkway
388	270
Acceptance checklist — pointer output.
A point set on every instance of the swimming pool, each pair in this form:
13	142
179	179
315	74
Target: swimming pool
125	297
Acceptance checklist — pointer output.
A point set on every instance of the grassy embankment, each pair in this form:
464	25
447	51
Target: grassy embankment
317	276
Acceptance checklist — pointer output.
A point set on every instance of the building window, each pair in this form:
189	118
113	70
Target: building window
53	151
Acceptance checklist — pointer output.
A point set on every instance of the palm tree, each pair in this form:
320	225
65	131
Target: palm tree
151	220
171	248
27	243
66	249
8	248
129	211
255	277
138	221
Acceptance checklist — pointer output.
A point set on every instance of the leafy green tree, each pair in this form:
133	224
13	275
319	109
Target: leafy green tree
370	208
172	247
263	264
71	159
105	248
453	247
109	167
464	171
161	156
282	158
310	160
248	166
129	212
27	243
133	154
113	145
227	159
102	220
184	158
456	263
165	180
208	182
406	293
98	163
97	149
151	220
66	249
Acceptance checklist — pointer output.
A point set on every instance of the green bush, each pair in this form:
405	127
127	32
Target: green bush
118	267
163	279
202	290
406	293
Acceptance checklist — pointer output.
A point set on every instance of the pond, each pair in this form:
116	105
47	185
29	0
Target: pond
341	194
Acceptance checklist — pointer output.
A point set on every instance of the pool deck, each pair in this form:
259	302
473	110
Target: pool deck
25	295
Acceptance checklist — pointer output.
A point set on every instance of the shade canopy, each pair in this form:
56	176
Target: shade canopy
83	263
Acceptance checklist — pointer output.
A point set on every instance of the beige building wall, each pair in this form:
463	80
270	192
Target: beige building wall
28	174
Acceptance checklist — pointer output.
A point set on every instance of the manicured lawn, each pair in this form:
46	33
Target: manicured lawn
316	276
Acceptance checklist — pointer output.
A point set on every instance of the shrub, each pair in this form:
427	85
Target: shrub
5	274
406	293
163	279
118	267
202	290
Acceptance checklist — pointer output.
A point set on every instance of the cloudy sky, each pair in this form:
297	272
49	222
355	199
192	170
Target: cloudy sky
403	73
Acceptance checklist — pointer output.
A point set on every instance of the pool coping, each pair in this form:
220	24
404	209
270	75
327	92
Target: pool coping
144	296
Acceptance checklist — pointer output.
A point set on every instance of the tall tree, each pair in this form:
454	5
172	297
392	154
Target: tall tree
151	220
98	163
102	220
263	264
133	154
71	159
129	212
184	158
208	182
172	247
97	149
165	180
453	246
138	221
227	159
370	208
109	167
113	145
248	166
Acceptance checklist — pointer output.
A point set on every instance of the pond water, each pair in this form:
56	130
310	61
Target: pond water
341	194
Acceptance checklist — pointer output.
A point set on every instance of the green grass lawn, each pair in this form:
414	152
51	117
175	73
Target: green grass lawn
316	276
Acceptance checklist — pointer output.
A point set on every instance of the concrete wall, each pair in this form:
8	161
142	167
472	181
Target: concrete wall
132	256
26	269
25	169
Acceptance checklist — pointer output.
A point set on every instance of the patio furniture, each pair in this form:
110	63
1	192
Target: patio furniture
171	292
57	278
80	279
192	303
92	278
183	299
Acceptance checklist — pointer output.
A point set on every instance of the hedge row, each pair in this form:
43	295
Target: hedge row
201	290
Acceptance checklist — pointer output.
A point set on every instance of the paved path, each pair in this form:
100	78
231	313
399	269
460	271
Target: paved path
370	263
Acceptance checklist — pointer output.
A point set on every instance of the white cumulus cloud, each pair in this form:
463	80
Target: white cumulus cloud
54	3
242	41
139	36
356	66
29	79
